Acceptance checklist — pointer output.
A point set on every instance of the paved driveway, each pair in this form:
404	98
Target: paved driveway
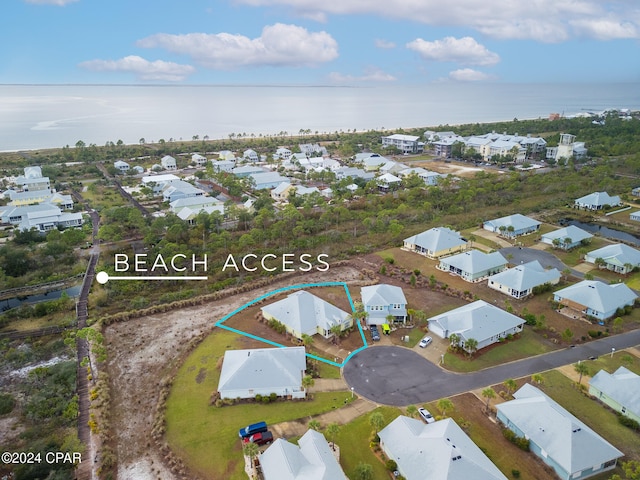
526	255
398	376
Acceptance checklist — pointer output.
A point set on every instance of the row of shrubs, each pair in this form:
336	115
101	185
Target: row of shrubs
520	442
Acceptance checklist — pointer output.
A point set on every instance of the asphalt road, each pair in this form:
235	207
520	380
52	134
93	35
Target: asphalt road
398	376
526	255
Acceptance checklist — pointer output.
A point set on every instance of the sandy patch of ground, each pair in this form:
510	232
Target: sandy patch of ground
143	352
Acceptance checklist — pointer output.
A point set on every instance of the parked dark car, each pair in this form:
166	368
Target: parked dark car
253	428
375	335
263	438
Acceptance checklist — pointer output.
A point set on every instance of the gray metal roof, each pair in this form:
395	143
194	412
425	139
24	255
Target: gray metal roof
517	221
526	276
617	254
597	295
382	294
574	233
623	386
436	239
474	261
598	199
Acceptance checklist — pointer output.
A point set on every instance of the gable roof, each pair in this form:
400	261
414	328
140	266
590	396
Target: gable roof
576	234
474	261
312	459
617	254
388	178
440	448
623	386
598	296
598	199
517	221
526	276
479	320
382	294
304	312
437	239
262	368
567	440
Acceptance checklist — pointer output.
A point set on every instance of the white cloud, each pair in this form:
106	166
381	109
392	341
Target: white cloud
541	20
60	3
143	69
278	45
370	75
460	50
468	75
384	44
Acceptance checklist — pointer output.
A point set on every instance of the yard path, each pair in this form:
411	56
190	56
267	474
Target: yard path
341	416
492	236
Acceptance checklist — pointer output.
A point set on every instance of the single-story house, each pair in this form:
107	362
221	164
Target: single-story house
247	373
618	257
566	238
512	225
311	459
374	162
188	208
382	300
267	180
302	191
168	162
479	320
43	217
441	448
246	170
436	242
595	298
474	265
635	216
21	199
427	176
563	442
353	172
520	281
619	390
121	165
303	313
597	201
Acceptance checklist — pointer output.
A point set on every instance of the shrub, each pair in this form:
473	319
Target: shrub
515	473
530	319
389	260
520	442
273	396
266	399
391	465
7	403
258	397
628	422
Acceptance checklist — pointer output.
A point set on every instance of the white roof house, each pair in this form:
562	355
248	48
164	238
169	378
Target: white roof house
635	216
595	298
597	201
474	265
223	165
566	238
42	217
620	390
373	161
303	313
246	170
382	300
562	441
388	181
283	153
198	159
512	225
618	257
405	143
441	448
33	172
251	155
345	172
180	189
195	202
436	242
168	162
247	373
121	165
520	281
267	180
311	459
479	320
281	192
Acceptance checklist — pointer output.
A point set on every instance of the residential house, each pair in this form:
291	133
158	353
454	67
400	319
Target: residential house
267	180
619	258
251	155
596	299
197	203
313	150
223	165
352	172
437	451
302	313
32	184
121	165
512	225
567	148
388	182
566	238
636	192
311	459
20	199
158	182
559	439
282	191
373	162
520	281
33	172
473	265
178	189
404	143
247	170
302	191
430	178
227	155
282	153
443	148
430	136
485	323
619	390
138	169
168	163
198	160
380	301
263	371
42	217
635	216
436	242
597	201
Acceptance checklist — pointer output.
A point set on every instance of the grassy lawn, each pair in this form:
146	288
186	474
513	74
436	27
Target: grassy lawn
527	345
354	439
206	437
591	412
574	257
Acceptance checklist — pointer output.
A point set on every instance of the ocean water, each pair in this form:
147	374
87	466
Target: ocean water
46	116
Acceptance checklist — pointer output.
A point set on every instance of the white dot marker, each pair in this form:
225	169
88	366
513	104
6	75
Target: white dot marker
102	277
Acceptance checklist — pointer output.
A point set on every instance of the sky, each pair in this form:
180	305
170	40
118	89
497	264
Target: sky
319	42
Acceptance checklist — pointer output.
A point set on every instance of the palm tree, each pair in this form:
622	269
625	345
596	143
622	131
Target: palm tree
251	450
332	430
471	346
581	369
444	405
314	425
510	385
454	339
376	420
537	378
412	411
488	393
336	331
307	340
307	381
364	471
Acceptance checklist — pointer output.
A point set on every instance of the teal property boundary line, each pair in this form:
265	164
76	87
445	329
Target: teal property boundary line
220	323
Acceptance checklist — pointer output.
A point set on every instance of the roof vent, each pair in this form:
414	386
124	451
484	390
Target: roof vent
577	429
456	458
